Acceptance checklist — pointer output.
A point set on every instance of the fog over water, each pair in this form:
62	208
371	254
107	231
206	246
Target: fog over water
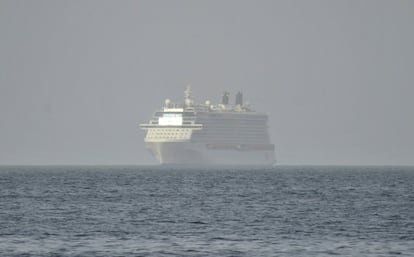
335	77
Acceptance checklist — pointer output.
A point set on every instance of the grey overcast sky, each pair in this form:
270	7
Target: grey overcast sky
77	77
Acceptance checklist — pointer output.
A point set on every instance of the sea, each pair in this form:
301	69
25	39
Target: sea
227	211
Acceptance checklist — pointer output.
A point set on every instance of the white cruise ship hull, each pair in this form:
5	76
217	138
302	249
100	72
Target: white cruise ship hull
208	134
188	153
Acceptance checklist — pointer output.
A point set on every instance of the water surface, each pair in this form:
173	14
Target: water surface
160	211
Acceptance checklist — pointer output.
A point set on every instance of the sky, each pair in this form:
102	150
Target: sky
335	77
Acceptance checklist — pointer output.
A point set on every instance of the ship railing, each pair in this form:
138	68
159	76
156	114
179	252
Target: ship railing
192	126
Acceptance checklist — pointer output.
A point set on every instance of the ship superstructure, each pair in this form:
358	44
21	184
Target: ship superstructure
208	134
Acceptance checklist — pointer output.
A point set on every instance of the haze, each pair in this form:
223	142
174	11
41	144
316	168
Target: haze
77	77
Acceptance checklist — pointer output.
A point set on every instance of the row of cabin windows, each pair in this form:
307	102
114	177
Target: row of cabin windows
169	133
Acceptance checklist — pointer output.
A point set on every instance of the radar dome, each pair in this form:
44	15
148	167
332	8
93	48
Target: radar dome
167	102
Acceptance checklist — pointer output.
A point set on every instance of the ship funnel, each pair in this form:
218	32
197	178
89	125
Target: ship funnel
225	98
239	98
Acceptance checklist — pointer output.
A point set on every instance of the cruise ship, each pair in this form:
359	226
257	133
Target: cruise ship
209	134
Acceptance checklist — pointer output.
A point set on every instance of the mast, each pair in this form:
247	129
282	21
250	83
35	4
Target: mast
188	97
